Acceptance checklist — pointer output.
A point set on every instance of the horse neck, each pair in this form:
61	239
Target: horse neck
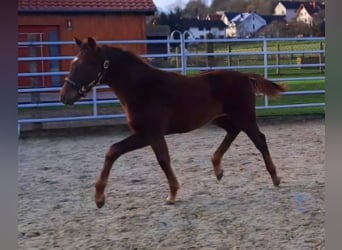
126	71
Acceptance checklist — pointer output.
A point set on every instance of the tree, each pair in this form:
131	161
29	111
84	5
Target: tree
230	5
318	24
175	17
172	19
274	29
280	29
219	5
195	8
161	19
260	6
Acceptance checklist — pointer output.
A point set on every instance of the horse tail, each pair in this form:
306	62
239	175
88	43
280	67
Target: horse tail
265	86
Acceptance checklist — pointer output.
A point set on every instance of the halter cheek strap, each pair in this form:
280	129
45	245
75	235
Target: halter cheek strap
85	88
102	74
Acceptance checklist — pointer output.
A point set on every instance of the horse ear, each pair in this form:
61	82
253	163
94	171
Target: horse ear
78	41
91	42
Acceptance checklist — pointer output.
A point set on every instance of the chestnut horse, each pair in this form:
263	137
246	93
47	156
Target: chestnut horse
158	103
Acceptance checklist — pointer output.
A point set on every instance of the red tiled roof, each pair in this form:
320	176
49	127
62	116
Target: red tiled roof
214	17
86	6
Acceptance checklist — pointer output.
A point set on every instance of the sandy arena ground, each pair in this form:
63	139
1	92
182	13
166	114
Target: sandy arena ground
56	208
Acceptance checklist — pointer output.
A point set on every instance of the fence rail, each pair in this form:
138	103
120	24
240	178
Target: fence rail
261	55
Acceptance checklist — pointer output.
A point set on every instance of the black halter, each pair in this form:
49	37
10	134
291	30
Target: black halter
83	89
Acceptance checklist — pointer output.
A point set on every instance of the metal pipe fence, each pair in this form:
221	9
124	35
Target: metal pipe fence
261	54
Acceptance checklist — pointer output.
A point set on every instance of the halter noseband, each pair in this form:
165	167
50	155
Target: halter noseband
85	88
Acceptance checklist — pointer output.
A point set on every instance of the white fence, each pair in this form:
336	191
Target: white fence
269	57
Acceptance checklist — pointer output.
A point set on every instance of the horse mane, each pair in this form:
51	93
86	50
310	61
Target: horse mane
125	56
131	59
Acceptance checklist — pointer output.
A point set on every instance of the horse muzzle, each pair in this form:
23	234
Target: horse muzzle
68	96
66	101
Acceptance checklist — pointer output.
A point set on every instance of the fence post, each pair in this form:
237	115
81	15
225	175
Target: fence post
94	102
278	59
264	48
177	58
229	56
183	57
35	96
180	45
210	49
320	55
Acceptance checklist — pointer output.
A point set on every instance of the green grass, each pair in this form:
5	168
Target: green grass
291	112
296	99
299	86
271	46
254	60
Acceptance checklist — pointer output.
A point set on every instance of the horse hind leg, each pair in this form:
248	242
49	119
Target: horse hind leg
161	151
259	140
232	133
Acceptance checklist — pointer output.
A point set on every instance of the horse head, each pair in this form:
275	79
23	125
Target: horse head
87	70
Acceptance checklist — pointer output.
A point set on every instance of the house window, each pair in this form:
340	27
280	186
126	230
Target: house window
253	26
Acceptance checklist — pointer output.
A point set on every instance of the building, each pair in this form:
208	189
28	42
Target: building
245	25
200	28
287	9
307	11
157	32
61	20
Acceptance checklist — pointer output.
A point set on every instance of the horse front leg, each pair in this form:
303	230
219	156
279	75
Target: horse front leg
161	151
132	142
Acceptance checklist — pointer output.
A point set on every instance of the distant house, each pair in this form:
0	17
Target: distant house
287	9
245	25
299	11
200	27
226	16
60	20
307	10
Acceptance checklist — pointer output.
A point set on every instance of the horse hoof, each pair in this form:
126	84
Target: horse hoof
168	202
100	201
219	175
276	181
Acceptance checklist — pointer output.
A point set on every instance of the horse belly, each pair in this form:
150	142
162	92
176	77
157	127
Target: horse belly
187	119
